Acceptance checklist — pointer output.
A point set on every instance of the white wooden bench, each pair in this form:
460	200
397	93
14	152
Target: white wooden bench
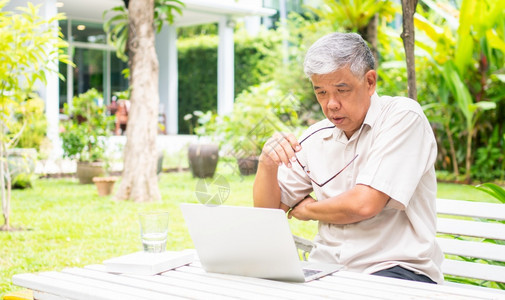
468	236
464	230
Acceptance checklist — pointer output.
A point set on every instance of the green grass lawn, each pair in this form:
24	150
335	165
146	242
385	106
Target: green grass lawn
67	224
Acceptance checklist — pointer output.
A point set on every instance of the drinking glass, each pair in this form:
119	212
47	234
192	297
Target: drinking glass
154	231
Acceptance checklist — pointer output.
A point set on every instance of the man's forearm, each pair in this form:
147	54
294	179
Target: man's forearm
355	205
266	191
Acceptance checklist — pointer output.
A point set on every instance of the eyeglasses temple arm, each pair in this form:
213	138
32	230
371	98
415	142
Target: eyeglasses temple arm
320	185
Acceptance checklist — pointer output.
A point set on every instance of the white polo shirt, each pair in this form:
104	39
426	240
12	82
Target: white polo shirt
396	151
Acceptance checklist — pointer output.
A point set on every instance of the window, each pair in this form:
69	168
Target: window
96	64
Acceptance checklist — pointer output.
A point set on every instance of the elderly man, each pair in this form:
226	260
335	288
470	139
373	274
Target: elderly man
370	165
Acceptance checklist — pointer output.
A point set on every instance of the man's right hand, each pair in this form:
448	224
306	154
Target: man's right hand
280	149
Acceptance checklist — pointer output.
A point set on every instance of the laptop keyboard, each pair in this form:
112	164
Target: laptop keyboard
309	272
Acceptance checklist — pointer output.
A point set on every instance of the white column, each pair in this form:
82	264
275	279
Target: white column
172	110
225	66
166	49
52	97
283	17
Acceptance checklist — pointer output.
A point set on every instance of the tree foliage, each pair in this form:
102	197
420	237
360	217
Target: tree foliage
30	47
116	26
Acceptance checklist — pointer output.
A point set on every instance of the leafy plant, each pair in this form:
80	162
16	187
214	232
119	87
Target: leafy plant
354	14
466	53
30	47
125	95
83	137
489	164
494	190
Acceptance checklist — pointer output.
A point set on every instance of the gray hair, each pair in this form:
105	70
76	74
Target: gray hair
338	50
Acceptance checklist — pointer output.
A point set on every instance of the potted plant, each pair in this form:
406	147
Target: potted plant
257	113
203	155
105	183
84	134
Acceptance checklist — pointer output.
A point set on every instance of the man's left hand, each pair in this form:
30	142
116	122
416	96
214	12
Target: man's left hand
300	211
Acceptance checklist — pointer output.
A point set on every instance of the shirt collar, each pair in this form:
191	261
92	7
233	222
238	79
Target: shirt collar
373	110
325	134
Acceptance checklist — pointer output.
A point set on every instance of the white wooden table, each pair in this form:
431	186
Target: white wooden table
93	282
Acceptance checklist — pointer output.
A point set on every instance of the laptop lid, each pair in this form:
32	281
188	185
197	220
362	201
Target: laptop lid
246	241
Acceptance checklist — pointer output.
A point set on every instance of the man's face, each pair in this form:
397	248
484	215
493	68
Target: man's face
344	98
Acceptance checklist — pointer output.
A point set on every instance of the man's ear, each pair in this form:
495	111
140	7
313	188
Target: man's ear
371	81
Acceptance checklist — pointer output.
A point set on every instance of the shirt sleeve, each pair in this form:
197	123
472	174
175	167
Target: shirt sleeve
294	184
403	150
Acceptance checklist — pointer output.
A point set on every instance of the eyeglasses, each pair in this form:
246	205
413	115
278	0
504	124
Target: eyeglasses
307	171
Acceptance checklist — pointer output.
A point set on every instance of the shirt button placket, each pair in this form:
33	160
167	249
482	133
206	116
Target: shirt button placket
349	155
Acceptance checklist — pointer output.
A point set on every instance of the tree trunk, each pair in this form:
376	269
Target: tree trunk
408	36
6	185
139	180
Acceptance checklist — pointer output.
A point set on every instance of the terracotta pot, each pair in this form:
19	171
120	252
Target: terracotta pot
104	185
248	165
87	170
203	159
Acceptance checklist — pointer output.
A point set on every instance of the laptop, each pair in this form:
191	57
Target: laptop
248	241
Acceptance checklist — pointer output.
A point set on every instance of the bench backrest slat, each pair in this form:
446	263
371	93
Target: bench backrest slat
472	249
479	271
493	211
494	231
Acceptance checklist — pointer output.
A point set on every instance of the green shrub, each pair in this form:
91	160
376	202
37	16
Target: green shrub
23	181
256	58
21	163
197	62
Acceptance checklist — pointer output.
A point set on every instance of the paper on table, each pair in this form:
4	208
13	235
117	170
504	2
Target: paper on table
144	263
